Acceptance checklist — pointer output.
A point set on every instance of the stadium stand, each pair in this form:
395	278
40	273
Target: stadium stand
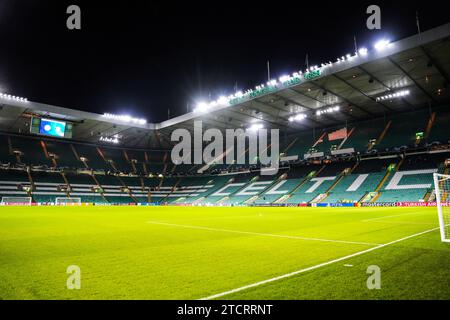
346	179
93	159
63	153
30	150
6	156
12	181
439	131
364	144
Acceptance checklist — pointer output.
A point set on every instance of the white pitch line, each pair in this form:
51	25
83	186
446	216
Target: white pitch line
261	234
287	275
404	222
393	216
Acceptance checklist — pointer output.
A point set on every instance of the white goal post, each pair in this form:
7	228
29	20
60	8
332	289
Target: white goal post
64	201
442	193
16	201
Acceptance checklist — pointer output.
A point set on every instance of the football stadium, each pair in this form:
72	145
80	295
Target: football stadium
357	208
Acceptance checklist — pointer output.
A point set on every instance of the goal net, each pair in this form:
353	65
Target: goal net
442	193
16	201
68	201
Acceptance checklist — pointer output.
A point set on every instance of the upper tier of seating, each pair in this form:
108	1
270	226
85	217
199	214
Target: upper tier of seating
35	151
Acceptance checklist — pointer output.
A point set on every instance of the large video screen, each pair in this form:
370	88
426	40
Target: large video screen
48	127
52	128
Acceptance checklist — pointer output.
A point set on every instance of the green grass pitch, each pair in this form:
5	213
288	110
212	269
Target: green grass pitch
199	252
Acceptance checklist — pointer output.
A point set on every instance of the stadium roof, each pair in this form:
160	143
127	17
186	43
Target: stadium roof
409	74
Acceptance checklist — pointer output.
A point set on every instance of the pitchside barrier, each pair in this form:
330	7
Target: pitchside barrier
314	205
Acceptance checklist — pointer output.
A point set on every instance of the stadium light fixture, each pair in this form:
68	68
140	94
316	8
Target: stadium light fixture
222	100
114	139
13	98
201	107
382	44
256	127
363	51
125	118
297	117
398	94
328	110
284	78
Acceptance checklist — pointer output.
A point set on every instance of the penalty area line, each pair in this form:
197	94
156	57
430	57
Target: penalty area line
287	275
261	234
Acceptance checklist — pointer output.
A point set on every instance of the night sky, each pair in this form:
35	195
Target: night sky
145	57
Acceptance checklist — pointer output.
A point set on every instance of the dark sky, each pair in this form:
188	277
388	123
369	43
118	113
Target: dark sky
143	57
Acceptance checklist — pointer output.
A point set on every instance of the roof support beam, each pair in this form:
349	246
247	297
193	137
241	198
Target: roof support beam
413	80
286	121
308	108
324	104
384	85
344	99
362	93
436	64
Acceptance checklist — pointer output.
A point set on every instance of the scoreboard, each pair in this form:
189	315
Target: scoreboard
52	128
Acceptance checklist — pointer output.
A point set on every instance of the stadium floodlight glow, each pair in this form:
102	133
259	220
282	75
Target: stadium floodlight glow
256	127
398	94
222	100
114	139
284	78
297	117
13	98
327	110
363	51
125	118
382	44
201	107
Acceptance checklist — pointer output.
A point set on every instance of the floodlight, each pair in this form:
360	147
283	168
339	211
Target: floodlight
382	44
222	100
284	78
362	51
256	127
